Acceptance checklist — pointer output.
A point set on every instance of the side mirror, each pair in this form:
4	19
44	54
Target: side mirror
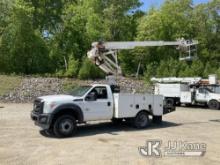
91	97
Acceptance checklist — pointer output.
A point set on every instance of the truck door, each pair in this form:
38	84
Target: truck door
98	105
201	95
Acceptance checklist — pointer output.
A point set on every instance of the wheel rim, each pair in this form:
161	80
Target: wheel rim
66	126
142	120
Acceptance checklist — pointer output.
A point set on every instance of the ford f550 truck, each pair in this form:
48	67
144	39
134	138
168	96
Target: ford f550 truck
60	114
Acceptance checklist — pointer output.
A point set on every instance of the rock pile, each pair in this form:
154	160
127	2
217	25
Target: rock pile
31	88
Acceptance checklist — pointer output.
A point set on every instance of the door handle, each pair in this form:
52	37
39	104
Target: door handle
109	104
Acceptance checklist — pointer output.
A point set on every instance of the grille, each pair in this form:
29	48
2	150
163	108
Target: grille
38	106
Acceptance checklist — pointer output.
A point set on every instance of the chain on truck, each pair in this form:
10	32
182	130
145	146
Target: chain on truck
61	114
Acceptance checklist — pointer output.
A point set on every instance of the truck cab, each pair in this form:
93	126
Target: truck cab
203	94
206	95
60	114
97	103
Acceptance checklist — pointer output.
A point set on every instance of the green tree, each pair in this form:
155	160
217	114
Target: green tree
22	49
89	71
73	68
197	68
47	14
151	71
176	19
209	69
208	32
45	36
87	21
184	70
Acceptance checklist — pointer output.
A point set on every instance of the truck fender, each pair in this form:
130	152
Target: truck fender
70	107
149	112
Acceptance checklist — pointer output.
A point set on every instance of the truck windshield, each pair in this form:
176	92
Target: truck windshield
79	91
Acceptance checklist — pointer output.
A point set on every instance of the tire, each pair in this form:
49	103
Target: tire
169	102
213	104
178	103
65	126
46	133
141	120
157	119
49	132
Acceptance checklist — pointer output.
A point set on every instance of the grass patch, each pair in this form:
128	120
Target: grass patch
8	83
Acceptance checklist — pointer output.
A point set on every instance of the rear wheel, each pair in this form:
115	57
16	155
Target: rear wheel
169	102
141	120
65	126
213	104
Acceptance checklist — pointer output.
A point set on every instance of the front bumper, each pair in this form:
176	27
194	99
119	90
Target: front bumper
41	120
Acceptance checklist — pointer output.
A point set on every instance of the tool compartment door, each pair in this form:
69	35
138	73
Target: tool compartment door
157	108
186	97
124	105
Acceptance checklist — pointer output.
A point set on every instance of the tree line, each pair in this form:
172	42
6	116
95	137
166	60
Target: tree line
53	36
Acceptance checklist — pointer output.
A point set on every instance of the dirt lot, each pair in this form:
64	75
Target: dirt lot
21	142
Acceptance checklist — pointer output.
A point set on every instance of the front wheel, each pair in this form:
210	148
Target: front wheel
213	104
65	126
141	120
49	132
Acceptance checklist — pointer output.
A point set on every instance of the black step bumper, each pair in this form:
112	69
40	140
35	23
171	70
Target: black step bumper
41	120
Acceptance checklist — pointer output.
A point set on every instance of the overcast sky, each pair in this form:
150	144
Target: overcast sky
157	3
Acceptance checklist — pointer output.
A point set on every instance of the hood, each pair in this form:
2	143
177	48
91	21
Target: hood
51	98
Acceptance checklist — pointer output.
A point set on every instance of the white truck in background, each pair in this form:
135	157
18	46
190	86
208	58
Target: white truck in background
188	91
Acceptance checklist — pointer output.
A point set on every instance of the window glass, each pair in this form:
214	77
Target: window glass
201	90
100	92
205	90
80	91
209	90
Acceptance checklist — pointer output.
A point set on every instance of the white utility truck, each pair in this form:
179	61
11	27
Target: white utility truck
188	91
60	114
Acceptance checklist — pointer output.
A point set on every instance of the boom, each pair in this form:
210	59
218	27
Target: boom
132	45
104	54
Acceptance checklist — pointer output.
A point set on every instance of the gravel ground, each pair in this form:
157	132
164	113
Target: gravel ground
103	143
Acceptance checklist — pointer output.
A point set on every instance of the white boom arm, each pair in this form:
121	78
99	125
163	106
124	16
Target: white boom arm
104	55
188	80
